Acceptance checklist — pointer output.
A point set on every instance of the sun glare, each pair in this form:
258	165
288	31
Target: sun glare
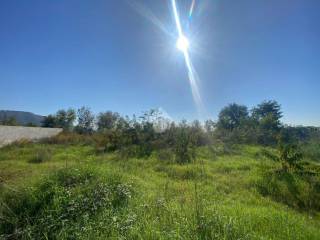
182	43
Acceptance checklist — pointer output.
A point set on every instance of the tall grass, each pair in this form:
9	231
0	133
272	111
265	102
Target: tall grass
300	191
224	194
61	205
311	150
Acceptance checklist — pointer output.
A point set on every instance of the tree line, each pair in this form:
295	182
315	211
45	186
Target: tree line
141	135
150	132
236	123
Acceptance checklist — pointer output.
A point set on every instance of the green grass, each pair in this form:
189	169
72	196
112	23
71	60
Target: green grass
74	193
312	150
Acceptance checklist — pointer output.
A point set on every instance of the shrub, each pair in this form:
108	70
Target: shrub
100	143
61	204
311	150
290	156
184	145
70	138
291	188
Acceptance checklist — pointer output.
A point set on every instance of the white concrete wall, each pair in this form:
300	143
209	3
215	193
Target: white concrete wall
9	134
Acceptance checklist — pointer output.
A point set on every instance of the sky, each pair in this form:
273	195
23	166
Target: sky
121	55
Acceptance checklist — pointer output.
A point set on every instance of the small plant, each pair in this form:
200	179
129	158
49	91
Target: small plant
298	191
184	146
41	156
290	156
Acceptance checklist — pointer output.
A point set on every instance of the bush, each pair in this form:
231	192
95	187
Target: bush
290	156
184	145
311	150
293	189
70	138
100	143
61	204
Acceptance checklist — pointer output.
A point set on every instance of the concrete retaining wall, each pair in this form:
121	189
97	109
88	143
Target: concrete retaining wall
9	134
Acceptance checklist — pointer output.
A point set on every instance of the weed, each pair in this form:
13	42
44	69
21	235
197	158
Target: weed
41	156
61	204
299	192
290	157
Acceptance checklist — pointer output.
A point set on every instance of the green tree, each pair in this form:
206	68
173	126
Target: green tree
85	120
267	117
198	132
107	120
232	116
209	126
65	118
49	121
268	114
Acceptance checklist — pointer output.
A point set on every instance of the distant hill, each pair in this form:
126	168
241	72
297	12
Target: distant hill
22	118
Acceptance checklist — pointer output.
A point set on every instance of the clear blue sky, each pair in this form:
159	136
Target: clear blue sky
104	54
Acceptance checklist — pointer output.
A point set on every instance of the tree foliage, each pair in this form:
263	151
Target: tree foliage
85	119
267	116
62	119
232	116
262	126
49	121
108	120
65	118
140	136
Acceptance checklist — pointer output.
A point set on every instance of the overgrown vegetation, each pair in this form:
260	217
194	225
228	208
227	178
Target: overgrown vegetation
103	196
247	176
63	205
40	156
299	191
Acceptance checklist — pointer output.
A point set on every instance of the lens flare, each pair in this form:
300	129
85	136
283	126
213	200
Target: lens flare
183	45
192	8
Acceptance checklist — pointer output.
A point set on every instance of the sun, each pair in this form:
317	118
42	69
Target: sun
183	43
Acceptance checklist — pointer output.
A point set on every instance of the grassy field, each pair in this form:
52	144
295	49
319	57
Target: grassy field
52	191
